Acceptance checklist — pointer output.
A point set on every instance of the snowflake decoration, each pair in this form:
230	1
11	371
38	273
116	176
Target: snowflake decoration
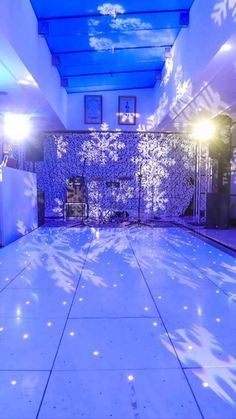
58	209
161	110
111	9
233	161
129	24
208	100
100	43
31	190
93	22
152	166
61	146
169	64
102	146
21	228
222	9
183	92
124	193
95	199
198	347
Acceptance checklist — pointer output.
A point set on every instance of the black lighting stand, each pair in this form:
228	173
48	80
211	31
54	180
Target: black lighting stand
138	222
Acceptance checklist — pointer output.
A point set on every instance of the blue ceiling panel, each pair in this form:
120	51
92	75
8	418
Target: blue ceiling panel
107	25
163	37
138	79
82	69
114	59
52	8
129	39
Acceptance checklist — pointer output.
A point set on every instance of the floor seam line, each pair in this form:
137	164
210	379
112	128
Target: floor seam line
191	390
62	334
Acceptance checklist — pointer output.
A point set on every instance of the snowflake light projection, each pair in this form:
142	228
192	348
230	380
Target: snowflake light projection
161	110
110	163
58	209
222	10
169	64
223	276
129	24
208	100
57	254
31	189
184	90
22	229
93	22
205	348
110	9
155	167
100	43
102	146
61	146
124	193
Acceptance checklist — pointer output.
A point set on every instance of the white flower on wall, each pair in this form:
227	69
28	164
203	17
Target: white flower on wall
111	9
129	24
31	189
102	146
61	146
222	9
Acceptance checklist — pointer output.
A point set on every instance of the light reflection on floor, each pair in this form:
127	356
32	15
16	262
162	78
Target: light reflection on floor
117	322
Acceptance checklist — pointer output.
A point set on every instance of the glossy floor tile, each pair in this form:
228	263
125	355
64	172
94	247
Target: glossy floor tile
21	393
133	300
114	344
29	344
215	390
147	394
30	303
126	323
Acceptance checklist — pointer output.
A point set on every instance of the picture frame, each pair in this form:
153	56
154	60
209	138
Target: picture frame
127	110
93	109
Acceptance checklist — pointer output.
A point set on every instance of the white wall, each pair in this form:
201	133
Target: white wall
18	25
194	49
144	106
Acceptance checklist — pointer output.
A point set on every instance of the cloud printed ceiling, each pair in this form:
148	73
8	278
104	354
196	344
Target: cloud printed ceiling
110	46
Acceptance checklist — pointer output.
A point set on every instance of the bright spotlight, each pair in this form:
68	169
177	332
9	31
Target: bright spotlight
204	130
226	47
16	127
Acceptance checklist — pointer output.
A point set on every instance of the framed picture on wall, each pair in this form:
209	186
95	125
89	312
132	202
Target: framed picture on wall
127	110
93	109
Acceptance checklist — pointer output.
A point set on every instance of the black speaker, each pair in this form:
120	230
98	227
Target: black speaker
224	206
217	210
212	210
41	207
34	148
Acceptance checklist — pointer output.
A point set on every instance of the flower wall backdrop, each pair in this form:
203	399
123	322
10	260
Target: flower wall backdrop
120	168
